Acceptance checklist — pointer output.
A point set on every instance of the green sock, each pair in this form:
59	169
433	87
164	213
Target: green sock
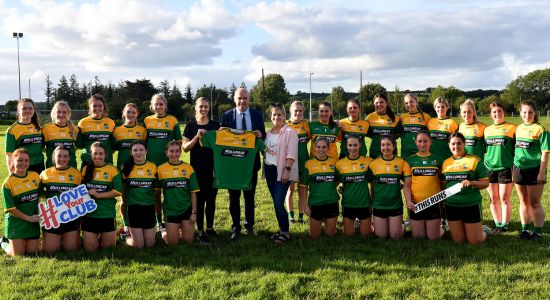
4	246
498	224
538	230
526	227
504	225
291	214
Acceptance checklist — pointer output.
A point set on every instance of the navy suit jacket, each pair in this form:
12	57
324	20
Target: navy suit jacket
229	119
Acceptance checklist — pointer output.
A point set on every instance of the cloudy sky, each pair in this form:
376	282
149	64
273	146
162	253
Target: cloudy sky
409	44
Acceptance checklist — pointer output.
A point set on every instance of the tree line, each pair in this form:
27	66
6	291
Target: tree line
272	89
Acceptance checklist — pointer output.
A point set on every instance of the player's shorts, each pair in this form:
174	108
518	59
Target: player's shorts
466	214
386	213
525	176
98	225
141	216
503	176
64	227
353	213
324	211
431	213
179	218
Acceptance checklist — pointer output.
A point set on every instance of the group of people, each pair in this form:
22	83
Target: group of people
161	192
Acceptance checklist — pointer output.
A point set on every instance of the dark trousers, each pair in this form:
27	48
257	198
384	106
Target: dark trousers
235	205
206	203
278	190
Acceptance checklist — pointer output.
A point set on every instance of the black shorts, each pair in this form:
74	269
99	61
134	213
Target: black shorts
38	168
386	213
65	227
466	214
324	211
98	225
525	176
503	176
431	213
353	213
179	218
141	216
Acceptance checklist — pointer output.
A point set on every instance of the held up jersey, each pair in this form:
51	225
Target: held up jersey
353	174
500	140
234	154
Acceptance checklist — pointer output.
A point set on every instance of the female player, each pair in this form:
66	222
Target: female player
319	179
125	134
327	128
353	124
441	128
301	127
500	138
55	180
281	153
425	175
96	127
20	194
529	172
60	132
472	129
464	208
388	172
161	128
202	161
413	121
179	188
104	184
25	133
382	122
138	196
352	172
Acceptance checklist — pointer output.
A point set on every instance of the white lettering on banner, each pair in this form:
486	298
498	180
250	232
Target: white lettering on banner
437	198
69	206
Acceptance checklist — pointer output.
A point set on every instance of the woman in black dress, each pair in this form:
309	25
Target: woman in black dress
203	163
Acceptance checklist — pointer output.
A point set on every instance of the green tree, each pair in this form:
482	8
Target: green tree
275	90
49	92
217	97
188	94
176	102
75	94
368	91
63	91
533	86
338	101
164	88
141	92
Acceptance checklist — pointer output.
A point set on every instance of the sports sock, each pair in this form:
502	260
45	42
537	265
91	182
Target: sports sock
526	227
300	216
498	224
4	246
291	214
504	225
538	230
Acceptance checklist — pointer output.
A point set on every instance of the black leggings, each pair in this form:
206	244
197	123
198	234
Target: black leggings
206	203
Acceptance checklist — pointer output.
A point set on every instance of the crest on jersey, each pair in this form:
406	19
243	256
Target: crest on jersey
360	128
71	177
362	166
396	168
243	142
183	173
332	167
166	124
105	175
106	126
149	173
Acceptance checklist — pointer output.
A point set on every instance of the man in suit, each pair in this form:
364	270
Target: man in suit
245	118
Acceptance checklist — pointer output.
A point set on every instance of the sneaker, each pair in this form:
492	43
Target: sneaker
250	231
487	230
301	220
292	220
445	225
536	236
524	235
203	238
210	232
4	240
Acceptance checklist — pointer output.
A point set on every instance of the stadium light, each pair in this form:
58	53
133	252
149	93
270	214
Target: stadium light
18	35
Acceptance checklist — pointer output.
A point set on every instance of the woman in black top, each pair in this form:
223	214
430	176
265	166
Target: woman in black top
202	162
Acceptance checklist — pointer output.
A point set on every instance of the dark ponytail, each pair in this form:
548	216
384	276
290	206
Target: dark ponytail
389	112
128	165
331	119
90	167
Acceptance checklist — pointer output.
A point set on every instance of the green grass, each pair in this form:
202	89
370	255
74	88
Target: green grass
254	268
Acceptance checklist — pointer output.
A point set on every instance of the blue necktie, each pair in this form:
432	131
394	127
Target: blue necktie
243	120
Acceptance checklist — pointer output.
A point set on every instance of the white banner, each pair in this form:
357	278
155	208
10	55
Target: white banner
69	206
420	206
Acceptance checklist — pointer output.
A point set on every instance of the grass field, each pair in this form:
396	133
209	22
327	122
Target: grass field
503	267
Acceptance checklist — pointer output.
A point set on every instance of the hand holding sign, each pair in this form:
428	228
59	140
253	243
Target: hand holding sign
69	206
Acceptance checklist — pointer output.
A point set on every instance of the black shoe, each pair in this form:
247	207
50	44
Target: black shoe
203	238
4	240
524	235
250	230
536	236
292	220
210	232
235	234
301	220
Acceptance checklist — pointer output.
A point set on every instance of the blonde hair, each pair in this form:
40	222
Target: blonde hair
197	102
470	103
441	99
156	97
53	115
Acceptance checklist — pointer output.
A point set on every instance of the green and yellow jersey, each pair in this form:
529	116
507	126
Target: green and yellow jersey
500	140
353	174
332	133
381	125
440	130
21	193
387	177
177	181
25	136
359	128
56	181
95	130
124	136
320	177
55	136
475	142
302	129
106	178
531	141
160	131
455	170
139	185
425	176
412	123
234	154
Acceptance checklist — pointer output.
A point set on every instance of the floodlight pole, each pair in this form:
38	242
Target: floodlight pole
18	35
310	106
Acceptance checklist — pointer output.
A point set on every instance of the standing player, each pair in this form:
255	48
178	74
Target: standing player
25	133
20	195
96	127
125	134
54	181
388	171
301	127
353	125
441	128
352	172
529	173
60	132
472	129
500	138
413	121
382	122
179	188
326	128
